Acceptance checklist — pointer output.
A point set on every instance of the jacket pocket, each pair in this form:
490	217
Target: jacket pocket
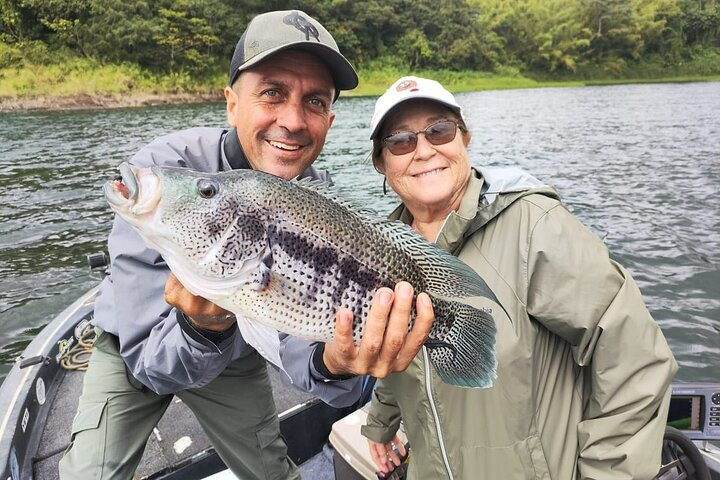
524	460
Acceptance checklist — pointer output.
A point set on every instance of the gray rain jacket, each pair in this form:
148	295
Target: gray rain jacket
165	354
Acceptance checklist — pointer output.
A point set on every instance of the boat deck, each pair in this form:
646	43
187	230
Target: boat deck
39	398
177	437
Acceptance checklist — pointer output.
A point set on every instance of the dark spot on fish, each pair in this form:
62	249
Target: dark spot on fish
268	259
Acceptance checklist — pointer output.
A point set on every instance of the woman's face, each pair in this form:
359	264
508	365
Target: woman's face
431	179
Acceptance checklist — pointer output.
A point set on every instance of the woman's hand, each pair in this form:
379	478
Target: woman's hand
387	456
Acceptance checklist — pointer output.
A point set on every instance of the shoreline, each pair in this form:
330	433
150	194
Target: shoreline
97	101
86	101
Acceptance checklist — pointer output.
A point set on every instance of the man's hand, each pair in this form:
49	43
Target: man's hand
386	346
201	313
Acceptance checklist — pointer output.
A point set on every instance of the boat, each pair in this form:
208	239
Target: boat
39	397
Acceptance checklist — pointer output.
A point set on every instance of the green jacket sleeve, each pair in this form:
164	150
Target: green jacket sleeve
577	292
383	420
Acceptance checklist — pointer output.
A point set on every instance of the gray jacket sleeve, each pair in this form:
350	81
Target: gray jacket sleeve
296	356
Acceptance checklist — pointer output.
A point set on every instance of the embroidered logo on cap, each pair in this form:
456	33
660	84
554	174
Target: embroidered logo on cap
302	24
407	85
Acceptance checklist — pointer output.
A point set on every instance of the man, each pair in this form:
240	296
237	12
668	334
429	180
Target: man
157	339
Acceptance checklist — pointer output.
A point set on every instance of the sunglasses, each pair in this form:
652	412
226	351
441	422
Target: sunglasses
438	133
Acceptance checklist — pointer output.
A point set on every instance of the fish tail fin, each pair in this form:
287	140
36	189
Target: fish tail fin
461	346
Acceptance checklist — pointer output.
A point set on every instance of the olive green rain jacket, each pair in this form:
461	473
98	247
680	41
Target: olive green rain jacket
583	377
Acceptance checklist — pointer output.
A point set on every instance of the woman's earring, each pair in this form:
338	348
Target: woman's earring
384	185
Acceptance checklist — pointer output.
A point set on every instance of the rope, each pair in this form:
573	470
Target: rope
77	356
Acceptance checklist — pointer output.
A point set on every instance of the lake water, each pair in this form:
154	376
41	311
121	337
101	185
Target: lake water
639	164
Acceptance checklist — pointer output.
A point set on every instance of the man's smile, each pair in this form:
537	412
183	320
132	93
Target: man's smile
284	146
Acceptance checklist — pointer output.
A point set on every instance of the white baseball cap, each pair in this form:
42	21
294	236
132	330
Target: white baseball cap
410	88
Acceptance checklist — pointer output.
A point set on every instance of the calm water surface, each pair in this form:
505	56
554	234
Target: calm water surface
640	165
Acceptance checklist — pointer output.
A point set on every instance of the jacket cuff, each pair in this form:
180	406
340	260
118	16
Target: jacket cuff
377	434
321	368
209	338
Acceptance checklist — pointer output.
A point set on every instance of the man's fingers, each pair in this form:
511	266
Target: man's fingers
424	318
402	306
171	287
339	354
372	341
178	296
397	326
344	329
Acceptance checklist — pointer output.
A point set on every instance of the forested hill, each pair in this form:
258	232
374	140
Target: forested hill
537	38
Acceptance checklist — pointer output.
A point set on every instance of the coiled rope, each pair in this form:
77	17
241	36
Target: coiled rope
77	356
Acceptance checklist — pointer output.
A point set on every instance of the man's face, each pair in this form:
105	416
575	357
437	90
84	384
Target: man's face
282	110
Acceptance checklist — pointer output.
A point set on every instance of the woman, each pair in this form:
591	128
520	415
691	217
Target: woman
583	377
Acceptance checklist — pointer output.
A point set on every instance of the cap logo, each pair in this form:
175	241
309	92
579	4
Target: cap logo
302	24
407	85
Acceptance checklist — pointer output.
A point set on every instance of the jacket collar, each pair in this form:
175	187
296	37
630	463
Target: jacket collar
233	151
455	224
480	204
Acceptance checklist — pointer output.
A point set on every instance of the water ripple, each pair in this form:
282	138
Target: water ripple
638	164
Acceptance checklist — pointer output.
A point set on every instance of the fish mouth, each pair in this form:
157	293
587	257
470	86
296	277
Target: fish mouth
135	191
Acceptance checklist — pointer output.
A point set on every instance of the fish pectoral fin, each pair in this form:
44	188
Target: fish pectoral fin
267	258
263	338
265	275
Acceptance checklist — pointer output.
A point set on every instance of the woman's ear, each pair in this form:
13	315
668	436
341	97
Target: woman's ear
379	165
467	136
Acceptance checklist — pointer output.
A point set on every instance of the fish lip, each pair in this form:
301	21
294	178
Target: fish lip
129	179
143	189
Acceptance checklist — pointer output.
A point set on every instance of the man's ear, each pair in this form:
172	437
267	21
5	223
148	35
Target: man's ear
231	101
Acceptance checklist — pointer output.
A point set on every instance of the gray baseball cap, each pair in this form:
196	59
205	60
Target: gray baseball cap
272	32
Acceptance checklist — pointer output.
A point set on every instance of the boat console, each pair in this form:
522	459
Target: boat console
695	410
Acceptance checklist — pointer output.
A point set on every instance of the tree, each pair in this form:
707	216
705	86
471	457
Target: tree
700	23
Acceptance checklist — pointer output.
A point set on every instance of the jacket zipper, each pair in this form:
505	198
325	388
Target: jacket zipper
428	388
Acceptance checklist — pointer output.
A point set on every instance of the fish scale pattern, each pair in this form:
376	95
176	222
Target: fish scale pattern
288	254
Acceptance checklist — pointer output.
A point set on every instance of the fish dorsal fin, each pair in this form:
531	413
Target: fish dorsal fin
330	192
445	274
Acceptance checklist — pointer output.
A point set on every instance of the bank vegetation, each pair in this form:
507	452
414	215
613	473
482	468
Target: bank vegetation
103	51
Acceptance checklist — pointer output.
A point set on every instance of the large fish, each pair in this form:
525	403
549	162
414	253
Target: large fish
286	254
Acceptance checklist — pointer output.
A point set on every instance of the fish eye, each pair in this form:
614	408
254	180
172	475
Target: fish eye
207	188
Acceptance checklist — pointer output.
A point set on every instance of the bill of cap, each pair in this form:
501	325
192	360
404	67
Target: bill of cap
343	73
410	88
